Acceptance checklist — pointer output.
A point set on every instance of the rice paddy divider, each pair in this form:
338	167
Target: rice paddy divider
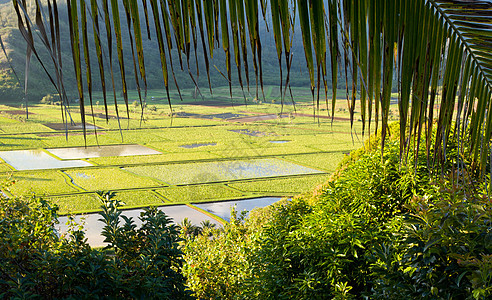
257	194
217	218
190	161
226	186
247	195
300	164
244	196
270	178
123	208
145	177
12	169
7	193
70	182
52	155
158	195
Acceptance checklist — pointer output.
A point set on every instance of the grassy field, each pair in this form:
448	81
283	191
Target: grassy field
193	137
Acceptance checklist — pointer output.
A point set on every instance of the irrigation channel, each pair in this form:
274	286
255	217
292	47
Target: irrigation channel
215	212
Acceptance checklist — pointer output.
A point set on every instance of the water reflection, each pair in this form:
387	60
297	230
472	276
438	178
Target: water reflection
38	160
102	151
191	146
93	227
223	209
221	170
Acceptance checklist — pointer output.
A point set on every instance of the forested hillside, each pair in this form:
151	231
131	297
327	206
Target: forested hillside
11	90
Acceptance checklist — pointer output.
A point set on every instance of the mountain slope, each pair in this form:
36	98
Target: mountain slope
39	84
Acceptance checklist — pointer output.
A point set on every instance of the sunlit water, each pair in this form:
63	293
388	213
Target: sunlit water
69	157
38	160
223	208
203	172
102	151
93	227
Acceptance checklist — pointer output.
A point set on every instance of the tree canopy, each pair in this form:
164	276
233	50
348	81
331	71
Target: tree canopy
436	50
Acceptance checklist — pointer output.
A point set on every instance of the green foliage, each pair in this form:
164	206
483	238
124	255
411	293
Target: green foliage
149	253
35	262
379	229
48	99
326	246
443	252
216	264
188	229
10	91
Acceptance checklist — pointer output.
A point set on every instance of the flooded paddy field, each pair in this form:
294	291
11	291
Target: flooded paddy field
37	160
223	209
218	211
102	151
201	153
203	172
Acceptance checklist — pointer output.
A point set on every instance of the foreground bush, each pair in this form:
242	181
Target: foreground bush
444	251
36	262
322	248
216	261
380	229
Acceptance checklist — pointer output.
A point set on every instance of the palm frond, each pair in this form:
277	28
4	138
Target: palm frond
435	51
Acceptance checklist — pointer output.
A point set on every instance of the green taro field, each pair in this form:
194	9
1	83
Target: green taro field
275	149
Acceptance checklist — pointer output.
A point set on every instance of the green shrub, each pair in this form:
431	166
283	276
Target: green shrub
216	261
443	252
37	263
324	250
355	239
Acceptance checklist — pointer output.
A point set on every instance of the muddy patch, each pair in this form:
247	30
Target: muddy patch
16	112
183	114
253	132
219	103
103	116
258	118
191	146
321	117
224	116
71	134
77	126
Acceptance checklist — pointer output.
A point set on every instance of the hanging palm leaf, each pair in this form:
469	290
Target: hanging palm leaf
442	60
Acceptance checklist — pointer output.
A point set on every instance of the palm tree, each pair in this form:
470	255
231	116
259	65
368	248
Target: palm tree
207	225
188	229
436	50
